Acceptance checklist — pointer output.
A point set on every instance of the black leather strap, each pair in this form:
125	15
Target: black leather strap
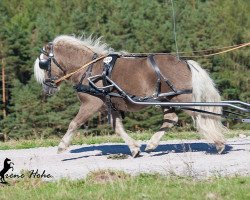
89	70
178	92
160	76
108	67
59	66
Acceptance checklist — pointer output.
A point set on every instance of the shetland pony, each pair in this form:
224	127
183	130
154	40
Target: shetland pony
136	77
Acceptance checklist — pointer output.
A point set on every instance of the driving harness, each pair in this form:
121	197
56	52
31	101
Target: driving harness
109	64
107	90
111	89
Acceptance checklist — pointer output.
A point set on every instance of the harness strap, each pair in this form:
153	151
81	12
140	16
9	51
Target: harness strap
89	70
202	111
178	92
217	114
59	66
160	76
87	89
109	63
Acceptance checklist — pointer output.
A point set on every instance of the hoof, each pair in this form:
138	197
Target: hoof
135	153
220	147
150	147
61	148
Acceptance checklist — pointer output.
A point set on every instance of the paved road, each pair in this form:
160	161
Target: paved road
182	157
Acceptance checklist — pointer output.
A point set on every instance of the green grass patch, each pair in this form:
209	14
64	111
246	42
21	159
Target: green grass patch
82	138
118	185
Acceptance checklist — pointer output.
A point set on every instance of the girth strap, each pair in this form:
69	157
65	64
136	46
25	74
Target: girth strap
109	63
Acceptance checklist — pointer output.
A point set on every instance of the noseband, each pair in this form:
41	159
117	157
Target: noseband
45	64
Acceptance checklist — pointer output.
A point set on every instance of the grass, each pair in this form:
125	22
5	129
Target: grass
118	185
80	138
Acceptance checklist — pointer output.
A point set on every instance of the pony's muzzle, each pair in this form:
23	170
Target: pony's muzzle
49	88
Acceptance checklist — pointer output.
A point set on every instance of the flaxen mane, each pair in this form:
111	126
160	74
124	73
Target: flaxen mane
95	44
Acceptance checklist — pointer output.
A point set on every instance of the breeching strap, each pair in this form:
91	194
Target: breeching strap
82	67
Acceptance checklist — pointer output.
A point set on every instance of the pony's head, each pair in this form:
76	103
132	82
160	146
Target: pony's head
47	69
64	55
7	159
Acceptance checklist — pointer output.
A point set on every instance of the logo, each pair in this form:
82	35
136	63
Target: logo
6	166
30	173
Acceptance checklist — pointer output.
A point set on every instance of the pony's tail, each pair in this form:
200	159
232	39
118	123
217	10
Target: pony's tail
204	91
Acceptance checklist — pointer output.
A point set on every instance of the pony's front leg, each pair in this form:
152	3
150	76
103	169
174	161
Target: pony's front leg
119	129
170	119
87	109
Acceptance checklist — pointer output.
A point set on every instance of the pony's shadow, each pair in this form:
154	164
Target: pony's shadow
160	150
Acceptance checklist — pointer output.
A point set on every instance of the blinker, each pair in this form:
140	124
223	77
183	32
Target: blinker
45	64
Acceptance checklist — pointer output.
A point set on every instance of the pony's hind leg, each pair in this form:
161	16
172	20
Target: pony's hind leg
119	129
89	107
170	119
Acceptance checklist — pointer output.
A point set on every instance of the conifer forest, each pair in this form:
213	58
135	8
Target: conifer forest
130	25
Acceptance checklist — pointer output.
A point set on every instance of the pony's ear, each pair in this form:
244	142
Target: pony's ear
48	46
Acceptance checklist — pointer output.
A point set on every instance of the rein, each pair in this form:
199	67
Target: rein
82	67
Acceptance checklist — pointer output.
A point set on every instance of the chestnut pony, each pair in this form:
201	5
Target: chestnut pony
135	76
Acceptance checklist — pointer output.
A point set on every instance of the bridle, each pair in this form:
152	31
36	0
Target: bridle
45	64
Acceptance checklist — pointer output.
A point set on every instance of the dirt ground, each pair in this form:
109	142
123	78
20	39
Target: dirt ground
193	158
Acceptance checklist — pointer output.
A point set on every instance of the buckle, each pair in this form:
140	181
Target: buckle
50	83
